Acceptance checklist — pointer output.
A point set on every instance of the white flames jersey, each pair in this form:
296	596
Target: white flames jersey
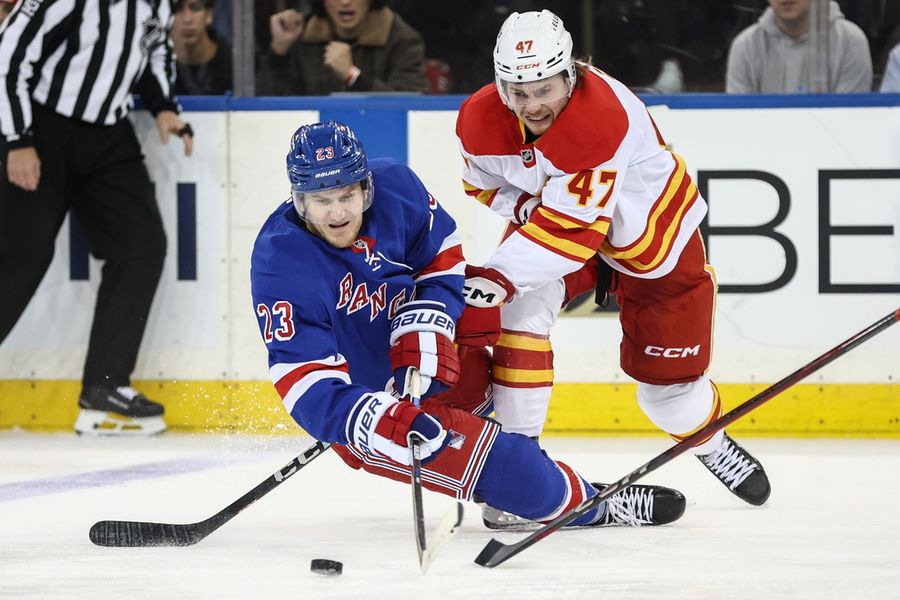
606	181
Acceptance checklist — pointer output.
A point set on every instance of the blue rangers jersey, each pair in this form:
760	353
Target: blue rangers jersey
325	312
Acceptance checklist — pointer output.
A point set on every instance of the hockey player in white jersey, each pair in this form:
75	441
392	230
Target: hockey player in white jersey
359	277
574	161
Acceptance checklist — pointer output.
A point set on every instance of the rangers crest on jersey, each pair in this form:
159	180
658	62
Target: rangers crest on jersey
456	439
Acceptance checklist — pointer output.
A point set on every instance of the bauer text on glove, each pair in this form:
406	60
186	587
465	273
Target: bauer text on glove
422	338
381	425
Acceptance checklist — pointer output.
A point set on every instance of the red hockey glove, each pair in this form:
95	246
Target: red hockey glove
422	338
487	287
478	327
381	425
525	205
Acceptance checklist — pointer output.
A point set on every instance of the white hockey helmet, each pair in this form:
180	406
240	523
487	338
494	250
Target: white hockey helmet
532	46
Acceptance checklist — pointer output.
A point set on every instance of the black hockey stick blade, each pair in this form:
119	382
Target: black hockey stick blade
145	534
496	552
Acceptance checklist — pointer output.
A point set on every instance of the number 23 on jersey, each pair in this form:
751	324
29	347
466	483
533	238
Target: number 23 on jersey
279	321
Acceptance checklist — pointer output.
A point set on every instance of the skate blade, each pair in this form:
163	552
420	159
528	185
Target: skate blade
499	520
100	423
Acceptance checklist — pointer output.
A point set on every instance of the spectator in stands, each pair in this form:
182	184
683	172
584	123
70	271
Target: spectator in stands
6	7
771	56
891	80
204	60
345	45
222	20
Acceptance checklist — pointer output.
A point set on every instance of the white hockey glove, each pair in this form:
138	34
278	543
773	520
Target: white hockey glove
381	426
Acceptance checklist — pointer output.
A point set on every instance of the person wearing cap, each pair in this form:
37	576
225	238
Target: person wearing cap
595	200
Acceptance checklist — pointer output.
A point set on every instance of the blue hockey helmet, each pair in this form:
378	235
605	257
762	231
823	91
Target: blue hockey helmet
326	156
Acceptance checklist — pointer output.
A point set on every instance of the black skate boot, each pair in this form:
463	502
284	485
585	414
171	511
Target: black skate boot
641	505
739	471
122	410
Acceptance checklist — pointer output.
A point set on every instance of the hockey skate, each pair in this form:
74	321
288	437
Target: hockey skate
634	506
739	471
494	518
641	505
107	410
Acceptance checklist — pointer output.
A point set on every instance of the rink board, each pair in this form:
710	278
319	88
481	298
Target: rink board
805	410
803	230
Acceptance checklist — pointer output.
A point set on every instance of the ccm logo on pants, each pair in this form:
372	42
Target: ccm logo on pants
672	352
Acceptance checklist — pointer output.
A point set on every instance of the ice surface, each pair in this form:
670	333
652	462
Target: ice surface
830	530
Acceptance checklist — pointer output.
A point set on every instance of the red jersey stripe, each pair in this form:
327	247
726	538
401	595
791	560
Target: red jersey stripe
284	385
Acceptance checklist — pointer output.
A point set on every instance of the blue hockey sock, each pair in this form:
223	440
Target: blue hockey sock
519	478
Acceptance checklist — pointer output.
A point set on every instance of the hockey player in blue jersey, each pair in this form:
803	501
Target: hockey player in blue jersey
357	279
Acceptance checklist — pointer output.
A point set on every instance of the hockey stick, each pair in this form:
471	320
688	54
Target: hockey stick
496	552
414	386
143	534
448	526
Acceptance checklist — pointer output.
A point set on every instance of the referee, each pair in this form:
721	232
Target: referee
68	70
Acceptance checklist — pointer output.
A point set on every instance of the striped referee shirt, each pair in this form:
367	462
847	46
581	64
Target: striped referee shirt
82	59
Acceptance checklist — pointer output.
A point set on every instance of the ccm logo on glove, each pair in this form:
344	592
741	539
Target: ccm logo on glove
486	287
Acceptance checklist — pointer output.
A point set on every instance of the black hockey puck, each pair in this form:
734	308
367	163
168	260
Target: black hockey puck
326	567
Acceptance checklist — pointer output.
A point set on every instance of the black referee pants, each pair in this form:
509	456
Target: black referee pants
98	172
